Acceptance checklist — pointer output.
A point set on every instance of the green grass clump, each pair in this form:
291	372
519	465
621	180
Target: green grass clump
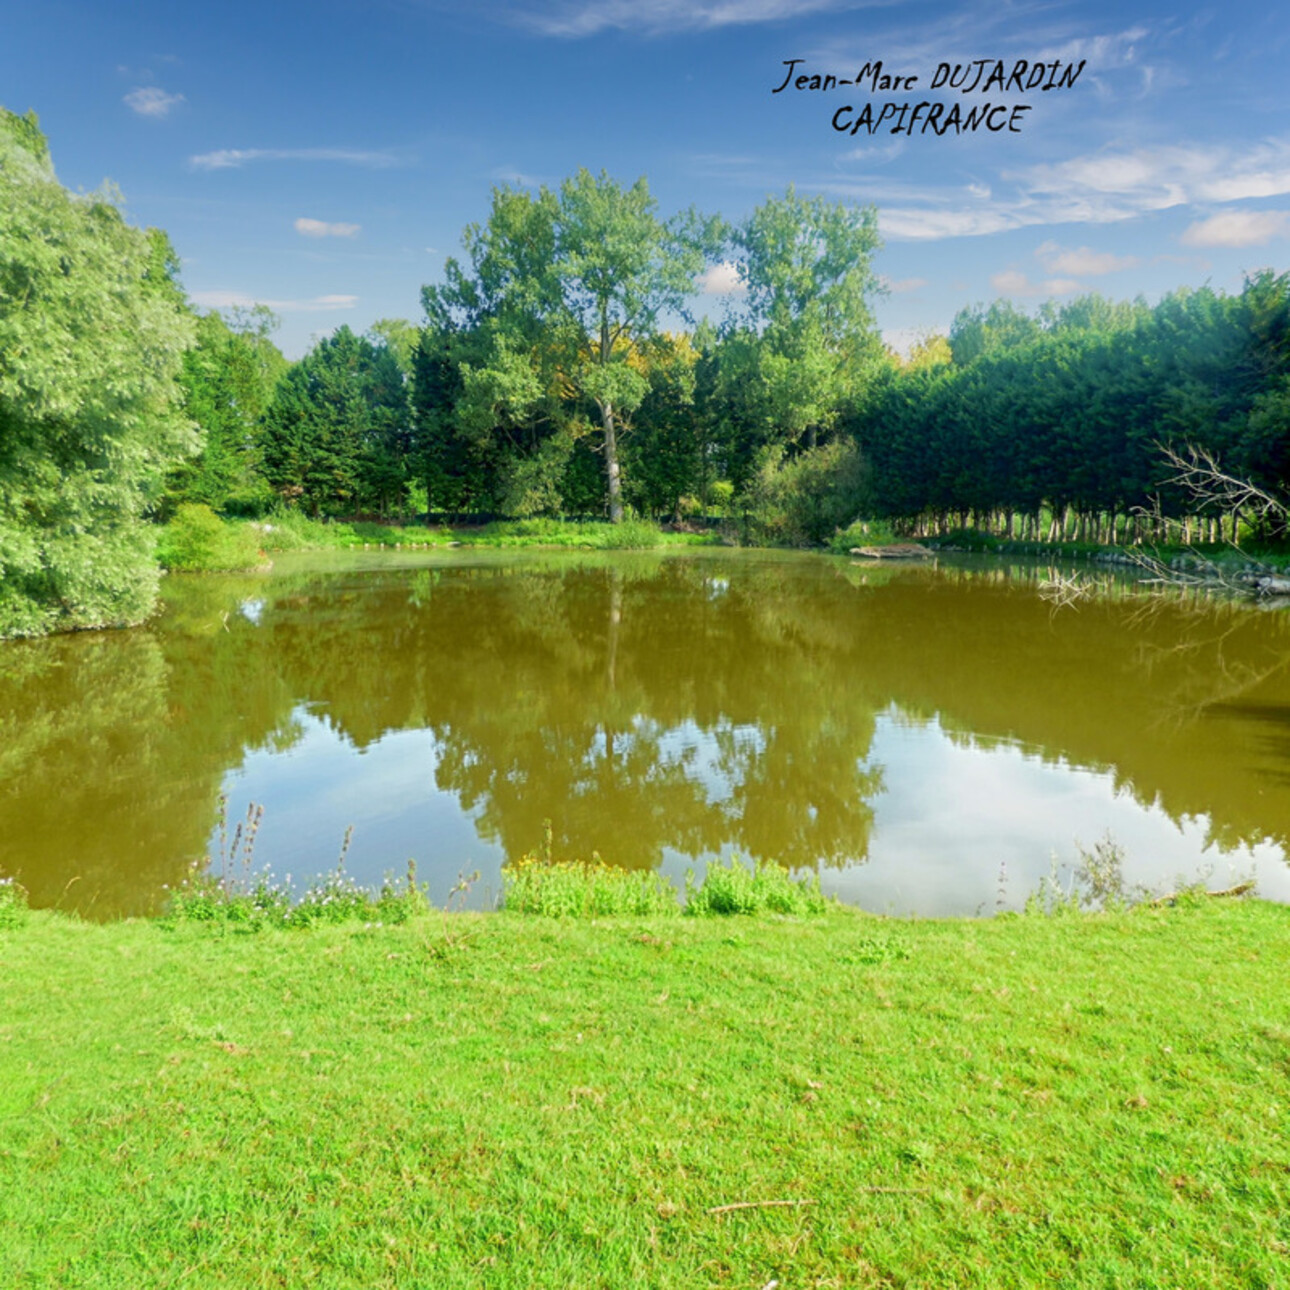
196	540
584	889
13	903
736	889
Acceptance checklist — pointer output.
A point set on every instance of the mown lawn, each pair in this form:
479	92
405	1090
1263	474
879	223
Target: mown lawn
1096	1100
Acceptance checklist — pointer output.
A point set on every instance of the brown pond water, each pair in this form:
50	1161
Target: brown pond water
932	740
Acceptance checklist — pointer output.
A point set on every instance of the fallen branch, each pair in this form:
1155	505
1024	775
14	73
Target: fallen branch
757	1204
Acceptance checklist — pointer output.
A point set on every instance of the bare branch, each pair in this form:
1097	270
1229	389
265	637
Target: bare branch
1198	472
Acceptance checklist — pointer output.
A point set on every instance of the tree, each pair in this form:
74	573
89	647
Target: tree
335	434
93	330
563	289
806	266
228	380
619	268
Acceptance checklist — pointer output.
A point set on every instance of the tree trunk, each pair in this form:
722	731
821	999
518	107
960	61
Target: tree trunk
612	470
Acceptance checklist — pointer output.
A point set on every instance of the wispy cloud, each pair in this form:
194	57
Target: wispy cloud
320	228
901	286
240	300
232	158
151	100
516	178
1096	188
1238	228
575	18
1157	178
1082	261
1012	282
721	280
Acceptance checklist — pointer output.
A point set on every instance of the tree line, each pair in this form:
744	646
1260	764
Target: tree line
558	369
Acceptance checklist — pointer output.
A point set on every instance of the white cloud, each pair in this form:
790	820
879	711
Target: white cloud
232	158
320	228
150	100
588	17
721	280
1238	228
1099	188
1157	178
239	299
1083	261
1012	282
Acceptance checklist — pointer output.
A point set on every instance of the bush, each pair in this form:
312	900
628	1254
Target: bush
198	541
863	533
802	502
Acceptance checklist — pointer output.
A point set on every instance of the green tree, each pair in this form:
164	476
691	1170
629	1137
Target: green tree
806	266
562	290
228	380
336	434
93	331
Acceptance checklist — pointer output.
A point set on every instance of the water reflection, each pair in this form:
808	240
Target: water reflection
655	709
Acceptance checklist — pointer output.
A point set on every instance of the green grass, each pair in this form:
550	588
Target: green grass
495	1100
292	531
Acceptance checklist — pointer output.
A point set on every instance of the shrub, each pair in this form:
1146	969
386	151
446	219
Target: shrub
198	541
863	533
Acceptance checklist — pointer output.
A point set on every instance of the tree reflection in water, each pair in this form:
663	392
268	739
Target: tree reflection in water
642	704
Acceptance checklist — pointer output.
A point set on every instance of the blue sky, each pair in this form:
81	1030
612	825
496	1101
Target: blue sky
324	158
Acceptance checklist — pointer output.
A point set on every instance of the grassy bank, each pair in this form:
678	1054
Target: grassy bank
197	540
1095	1100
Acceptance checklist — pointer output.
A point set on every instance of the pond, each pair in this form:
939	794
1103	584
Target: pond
931	740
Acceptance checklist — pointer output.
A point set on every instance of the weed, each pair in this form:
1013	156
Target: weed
736	889
583	889
453	937
13	903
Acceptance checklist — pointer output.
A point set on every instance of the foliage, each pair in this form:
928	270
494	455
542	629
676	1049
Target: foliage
562	292
863	533
809	343
260	901
336	436
737	889
804	500
92	336
228	381
13	904
196	540
584	889
1065	415
592	889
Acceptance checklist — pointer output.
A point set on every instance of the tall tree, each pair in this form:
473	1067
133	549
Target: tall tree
93	330
228	380
806	266
562	290
619	267
335	434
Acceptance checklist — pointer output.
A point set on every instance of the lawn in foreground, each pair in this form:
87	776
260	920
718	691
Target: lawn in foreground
1089	1100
